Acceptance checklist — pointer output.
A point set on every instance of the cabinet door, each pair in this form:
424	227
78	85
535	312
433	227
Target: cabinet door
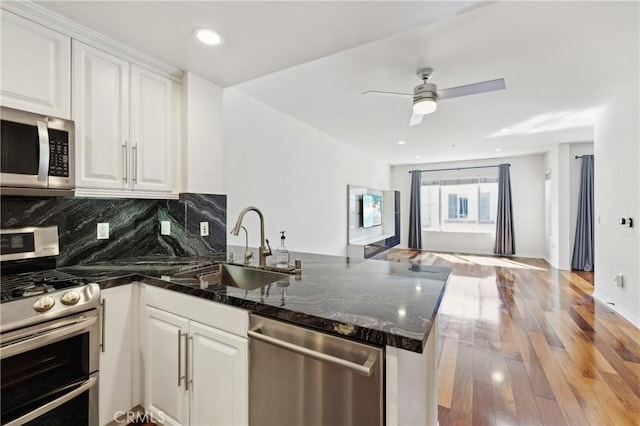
151	119
116	356
164	366
36	67
219	374
101	113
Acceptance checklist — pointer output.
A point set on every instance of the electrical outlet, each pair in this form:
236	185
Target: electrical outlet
619	280
204	229
103	231
165	227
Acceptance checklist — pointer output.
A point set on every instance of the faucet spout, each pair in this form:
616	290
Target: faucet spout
265	249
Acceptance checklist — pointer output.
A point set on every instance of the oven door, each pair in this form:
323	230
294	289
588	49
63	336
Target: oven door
50	372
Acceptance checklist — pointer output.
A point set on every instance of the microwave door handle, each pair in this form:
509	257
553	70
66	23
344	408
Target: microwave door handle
43	165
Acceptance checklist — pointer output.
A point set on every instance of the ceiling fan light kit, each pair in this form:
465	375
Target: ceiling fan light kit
426	95
424	105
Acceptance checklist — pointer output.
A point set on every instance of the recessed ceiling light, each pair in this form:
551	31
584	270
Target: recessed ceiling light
498	149
418	156
506	129
401	142
207	36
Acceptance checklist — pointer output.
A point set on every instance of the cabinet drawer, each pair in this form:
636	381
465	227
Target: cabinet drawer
226	318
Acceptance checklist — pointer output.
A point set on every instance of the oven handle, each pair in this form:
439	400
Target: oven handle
91	382
31	341
43	137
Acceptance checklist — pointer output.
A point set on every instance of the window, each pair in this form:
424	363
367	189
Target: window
459	205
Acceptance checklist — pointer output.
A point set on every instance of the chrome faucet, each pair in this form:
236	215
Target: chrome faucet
265	249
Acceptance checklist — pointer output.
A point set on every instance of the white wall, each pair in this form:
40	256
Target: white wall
294	173
617	194
560	161
527	186
551	166
202	169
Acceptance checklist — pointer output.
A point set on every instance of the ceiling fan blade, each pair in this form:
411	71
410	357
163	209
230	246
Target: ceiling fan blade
378	92
472	89
415	119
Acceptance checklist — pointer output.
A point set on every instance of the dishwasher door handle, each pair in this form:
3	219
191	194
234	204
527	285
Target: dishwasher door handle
365	369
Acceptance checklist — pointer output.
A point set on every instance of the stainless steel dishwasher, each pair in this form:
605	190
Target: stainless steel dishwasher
302	377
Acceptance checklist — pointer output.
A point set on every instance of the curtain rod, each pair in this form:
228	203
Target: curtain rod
579	156
457	168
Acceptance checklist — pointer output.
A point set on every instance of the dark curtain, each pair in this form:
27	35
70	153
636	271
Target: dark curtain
505	242
415	225
582	258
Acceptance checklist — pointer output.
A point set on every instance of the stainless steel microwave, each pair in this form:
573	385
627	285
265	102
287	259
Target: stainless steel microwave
36	154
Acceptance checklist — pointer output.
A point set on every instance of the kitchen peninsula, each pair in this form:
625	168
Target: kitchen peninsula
386	304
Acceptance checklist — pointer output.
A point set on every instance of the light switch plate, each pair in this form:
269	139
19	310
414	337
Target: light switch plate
103	231
165	227
619	280
204	229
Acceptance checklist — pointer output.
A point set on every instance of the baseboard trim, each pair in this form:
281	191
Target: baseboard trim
634	320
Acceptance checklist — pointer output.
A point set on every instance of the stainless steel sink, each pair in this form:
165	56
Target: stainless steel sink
245	278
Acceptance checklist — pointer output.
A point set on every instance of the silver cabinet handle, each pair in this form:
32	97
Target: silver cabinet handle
91	382
365	369
103	310
179	356
134	156
43	142
125	155
186	379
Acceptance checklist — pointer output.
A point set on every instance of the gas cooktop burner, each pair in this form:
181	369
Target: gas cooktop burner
36	283
32	290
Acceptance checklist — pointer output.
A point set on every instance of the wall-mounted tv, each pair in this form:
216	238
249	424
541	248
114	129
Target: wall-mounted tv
371	210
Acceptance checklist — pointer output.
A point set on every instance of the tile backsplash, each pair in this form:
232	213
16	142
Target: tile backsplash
134	225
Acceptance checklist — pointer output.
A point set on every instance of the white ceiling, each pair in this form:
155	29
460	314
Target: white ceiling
261	37
562	61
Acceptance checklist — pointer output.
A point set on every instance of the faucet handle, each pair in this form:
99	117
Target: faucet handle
268	248
248	255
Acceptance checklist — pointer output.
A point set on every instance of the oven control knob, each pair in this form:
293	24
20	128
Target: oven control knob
71	297
43	304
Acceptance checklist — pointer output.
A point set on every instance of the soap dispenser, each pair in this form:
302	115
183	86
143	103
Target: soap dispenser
282	253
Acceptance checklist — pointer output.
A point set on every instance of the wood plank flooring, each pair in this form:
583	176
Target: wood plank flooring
522	343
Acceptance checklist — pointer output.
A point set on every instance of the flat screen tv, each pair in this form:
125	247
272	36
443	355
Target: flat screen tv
371	210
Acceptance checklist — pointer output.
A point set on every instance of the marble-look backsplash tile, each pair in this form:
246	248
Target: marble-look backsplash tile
205	208
134	225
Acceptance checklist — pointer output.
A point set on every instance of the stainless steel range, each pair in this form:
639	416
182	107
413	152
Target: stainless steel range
49	335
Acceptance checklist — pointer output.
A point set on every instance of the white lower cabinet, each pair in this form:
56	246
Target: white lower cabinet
219	377
195	373
117	348
166	396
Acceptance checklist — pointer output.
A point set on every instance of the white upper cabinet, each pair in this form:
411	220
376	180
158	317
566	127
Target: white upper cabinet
124	119
101	113
151	119
36	67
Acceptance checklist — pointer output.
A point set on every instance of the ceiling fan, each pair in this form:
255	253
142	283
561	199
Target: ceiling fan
426	95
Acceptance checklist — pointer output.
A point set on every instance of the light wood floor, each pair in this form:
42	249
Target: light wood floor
523	343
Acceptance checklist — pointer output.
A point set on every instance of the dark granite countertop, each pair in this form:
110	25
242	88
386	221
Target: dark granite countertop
374	301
